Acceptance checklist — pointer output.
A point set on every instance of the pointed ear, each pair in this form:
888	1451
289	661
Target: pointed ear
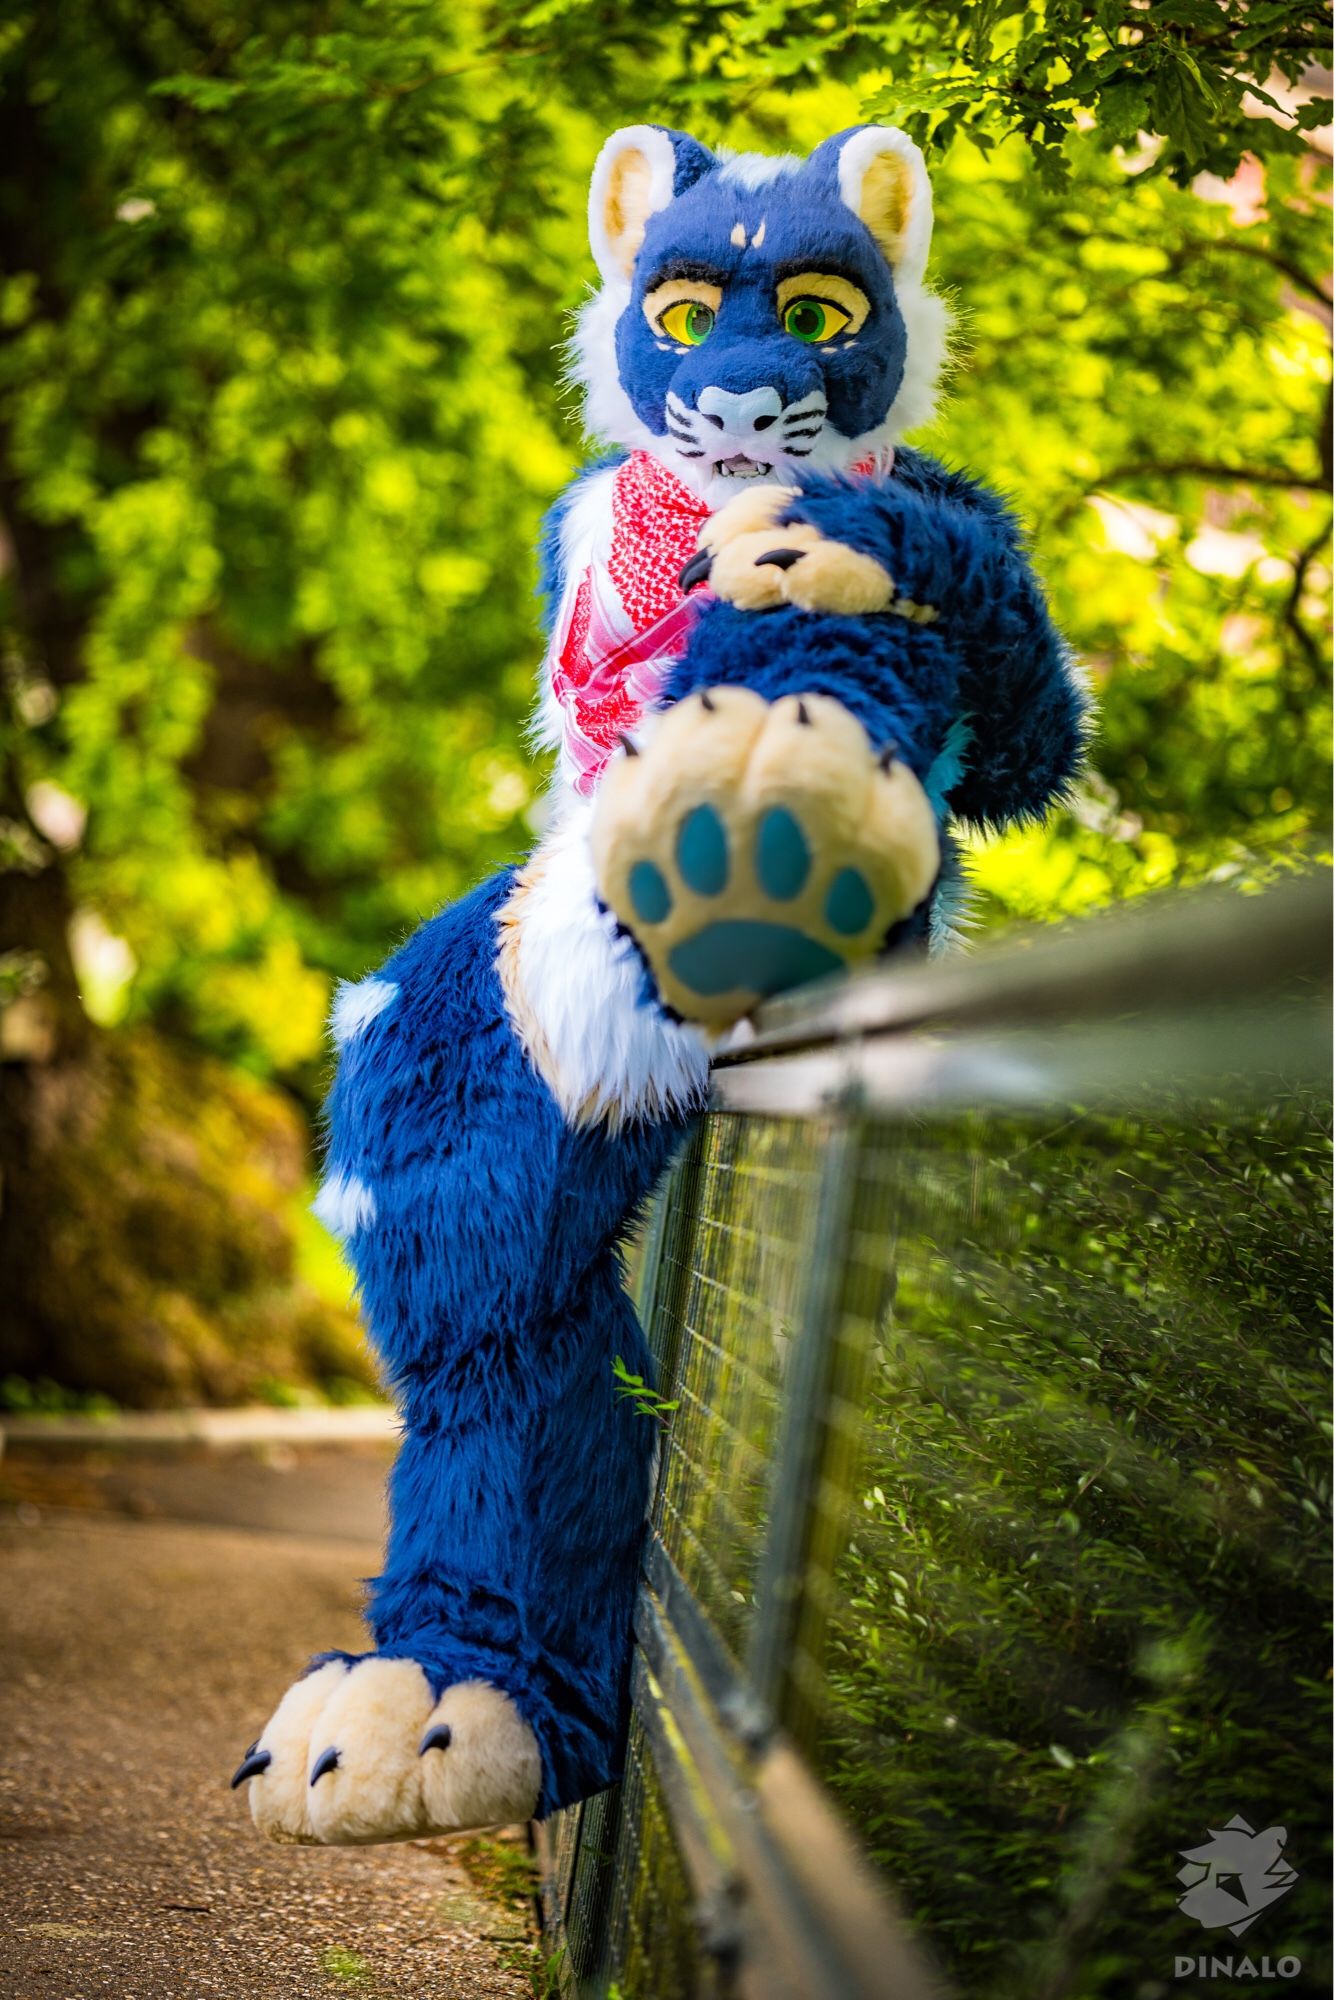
882	177
639	170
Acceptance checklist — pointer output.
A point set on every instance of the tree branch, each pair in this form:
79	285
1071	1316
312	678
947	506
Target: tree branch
1292	272
1292	615
1221	475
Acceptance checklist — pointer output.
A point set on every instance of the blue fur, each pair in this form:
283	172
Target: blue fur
692	160
988	684
495	1300
947	770
490	1275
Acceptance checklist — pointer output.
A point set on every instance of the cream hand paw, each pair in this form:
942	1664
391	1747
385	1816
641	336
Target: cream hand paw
755	564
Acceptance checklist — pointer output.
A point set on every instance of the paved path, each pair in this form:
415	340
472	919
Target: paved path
137	1659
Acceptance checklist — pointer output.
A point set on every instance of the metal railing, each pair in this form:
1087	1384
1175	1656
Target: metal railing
982	1296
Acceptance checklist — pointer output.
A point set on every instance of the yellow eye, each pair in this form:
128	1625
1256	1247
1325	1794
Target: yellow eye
814	319
688	321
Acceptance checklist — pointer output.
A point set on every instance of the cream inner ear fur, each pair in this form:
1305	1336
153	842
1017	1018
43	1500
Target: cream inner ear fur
627	207
886	202
883	179
633	177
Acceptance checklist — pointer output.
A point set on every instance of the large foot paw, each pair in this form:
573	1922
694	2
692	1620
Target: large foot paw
365	1752
753	847
758	564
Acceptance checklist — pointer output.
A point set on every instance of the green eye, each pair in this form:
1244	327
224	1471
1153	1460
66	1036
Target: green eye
814	319
689	321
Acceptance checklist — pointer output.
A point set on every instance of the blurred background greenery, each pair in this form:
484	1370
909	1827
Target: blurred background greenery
282	288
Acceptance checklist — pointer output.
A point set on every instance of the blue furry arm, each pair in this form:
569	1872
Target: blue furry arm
949	543
898	679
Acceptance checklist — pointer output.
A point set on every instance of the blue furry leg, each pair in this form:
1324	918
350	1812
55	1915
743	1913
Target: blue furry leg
486	1248
518	1512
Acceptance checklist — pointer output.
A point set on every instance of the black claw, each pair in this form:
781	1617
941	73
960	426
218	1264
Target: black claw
438	1738
780	558
803	714
326	1762
696	570
627	745
889	756
706	700
251	1765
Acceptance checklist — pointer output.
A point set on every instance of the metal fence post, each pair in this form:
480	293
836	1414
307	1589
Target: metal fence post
802	1458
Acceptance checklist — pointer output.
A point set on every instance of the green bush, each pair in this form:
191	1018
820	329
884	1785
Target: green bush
1082	1616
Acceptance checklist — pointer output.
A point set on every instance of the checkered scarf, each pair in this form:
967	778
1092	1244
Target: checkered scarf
624	626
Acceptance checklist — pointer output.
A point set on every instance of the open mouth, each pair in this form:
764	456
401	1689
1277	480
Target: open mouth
742	467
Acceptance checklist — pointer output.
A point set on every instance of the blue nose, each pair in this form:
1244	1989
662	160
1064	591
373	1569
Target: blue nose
740	415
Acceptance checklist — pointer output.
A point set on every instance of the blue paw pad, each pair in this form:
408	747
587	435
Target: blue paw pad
755	957
782	856
701	852
849	905
649	893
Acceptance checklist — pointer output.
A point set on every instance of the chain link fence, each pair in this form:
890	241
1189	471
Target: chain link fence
986	1573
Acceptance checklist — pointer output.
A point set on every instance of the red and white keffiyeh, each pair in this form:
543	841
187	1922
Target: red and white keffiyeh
624	627
620	632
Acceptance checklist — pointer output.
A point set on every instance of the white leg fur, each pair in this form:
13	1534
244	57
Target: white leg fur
380	1785
574	990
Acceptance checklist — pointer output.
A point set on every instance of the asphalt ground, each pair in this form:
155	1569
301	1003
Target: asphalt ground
151	1611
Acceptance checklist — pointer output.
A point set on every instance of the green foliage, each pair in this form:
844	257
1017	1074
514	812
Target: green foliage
45	1398
632	1388
1082	1612
1189	71
504	1869
507	1874
545	1973
279	412
158	1202
345	1967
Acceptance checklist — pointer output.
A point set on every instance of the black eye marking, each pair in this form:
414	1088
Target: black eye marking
803	267
687	271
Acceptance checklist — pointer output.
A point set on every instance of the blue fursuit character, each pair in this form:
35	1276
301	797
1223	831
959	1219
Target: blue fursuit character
784	658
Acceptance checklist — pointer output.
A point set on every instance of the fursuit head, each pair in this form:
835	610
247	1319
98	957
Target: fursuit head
759	316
